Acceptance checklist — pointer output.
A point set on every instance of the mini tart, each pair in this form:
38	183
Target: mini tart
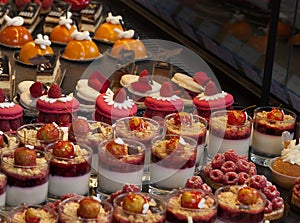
295	198
286	168
45	214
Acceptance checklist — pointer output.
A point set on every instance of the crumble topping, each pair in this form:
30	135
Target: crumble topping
45	216
99	132
81	155
193	128
261	117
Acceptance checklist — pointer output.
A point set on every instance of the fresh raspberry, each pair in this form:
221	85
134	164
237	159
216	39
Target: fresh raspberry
258	181
144	77
271	192
242	166
243	178
252	170
4	126
2	95
194	182
277	203
36	89
268	207
201	78
63	119
206	188
230	178
243	157
210	89
297	181
218	161
15	124
231	155
216	175
130	188
166	89
206	169
54	91
228	166
120	95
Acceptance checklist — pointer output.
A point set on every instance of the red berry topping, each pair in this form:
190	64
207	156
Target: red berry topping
99	82
183	118
2	95
218	161
276	114
231	155
24	156
120	95
137	124
236	117
247	195
48	133
134	203
211	89
88	208
194	182
36	89
79	127
277	203
230	178
201	78
166	89
271	192
63	149
54	91
191	199
144	77
30	216
258	182
1	139
116	149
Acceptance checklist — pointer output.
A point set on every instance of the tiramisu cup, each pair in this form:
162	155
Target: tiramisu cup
173	160
268	125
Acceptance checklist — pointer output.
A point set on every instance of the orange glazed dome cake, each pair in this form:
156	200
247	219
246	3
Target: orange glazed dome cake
62	32
81	47
127	41
106	32
14	34
40	46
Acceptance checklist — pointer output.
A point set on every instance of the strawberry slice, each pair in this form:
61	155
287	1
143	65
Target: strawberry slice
172	144
64	149
141	87
99	82
24	156
36	89
236	117
166	89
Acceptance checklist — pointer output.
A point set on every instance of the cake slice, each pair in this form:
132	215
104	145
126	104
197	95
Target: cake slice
31	15
90	17
7	80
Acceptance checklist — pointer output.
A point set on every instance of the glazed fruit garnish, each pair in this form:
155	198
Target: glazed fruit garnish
192	199
236	117
120	95
88	208
136	123
54	91
135	203
247	195
166	89
117	148
48	132
144	77
183	118
211	89
2	95
64	149
275	114
79	126
24	156
30	217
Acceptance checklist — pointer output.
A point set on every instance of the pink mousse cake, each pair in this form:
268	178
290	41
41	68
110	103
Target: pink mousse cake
112	106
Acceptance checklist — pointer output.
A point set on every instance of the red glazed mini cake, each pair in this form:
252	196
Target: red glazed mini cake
15	34
163	103
211	100
113	106
11	114
56	107
40	46
106	32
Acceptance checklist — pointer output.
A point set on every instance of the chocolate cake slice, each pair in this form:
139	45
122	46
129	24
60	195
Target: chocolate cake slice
31	15
90	17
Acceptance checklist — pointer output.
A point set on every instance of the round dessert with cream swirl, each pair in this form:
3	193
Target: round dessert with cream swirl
14	34
106	32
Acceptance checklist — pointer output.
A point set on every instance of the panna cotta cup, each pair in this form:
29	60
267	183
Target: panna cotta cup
224	136
69	175
231	210
38	213
204	211
68	211
25	184
173	161
153	211
27	135
190	125
267	140
121	161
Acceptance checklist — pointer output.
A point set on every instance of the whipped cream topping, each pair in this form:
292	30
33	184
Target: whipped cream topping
113	19
66	20
16	21
53	100
124	34
85	35
108	98
43	41
291	155
119	141
7	104
157	96
217	96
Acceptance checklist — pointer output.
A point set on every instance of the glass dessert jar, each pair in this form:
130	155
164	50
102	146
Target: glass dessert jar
268	125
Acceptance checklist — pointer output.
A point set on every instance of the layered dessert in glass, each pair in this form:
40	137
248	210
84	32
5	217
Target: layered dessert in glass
70	168
173	160
229	130
268	125
120	161
85	209
3	185
39	135
137	207
187	124
33	213
240	204
191	205
27	172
